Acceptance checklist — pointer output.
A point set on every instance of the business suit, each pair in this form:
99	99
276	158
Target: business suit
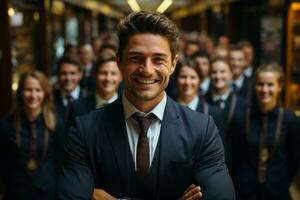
282	166
226	115
99	157
19	182
245	90
60	107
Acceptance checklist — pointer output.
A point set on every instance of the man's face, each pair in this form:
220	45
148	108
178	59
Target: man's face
69	77
249	54
237	63
108	78
146	66
203	64
86	54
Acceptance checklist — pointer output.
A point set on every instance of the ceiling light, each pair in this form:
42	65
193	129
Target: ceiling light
134	5
164	6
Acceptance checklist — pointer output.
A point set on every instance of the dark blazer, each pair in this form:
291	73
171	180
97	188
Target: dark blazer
60	107
225	118
212	110
98	156
19	182
80	107
281	168
246	89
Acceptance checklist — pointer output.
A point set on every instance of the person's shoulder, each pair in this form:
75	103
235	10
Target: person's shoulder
186	113
290	116
99	114
6	125
83	100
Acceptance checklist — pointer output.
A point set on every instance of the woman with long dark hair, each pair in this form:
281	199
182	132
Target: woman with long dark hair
31	142
266	142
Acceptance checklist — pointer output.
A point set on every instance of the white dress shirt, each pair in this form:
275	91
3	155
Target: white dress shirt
239	82
223	98
133	129
100	101
205	86
194	103
74	94
249	71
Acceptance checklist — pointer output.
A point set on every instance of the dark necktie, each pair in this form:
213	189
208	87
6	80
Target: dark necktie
219	103
68	108
32	162
143	154
234	88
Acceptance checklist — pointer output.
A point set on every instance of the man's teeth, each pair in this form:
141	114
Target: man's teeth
146	81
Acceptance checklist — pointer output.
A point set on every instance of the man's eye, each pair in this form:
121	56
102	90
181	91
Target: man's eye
135	58
159	60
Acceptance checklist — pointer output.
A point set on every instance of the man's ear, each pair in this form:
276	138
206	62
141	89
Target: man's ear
174	62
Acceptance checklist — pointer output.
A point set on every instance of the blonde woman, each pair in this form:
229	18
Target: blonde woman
31	142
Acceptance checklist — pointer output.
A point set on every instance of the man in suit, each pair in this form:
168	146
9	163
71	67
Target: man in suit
108	78
202	59
111	148
237	61
69	75
87	56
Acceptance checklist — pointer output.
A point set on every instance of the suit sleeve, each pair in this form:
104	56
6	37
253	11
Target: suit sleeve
211	172
76	180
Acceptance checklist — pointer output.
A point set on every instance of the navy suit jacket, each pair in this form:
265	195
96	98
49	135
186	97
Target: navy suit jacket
60	107
191	151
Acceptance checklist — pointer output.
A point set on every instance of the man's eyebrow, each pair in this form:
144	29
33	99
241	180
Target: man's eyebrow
133	52
161	55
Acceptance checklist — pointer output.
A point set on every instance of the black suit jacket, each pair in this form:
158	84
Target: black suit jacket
191	151
19	183
60	107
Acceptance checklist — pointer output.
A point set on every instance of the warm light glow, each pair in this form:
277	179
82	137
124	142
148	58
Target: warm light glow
134	5
295	6
164	6
14	86
36	16
11	12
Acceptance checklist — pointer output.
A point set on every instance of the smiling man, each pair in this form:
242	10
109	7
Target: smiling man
144	145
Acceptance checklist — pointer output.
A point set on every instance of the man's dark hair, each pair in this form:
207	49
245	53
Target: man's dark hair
103	58
201	54
147	22
108	46
70	59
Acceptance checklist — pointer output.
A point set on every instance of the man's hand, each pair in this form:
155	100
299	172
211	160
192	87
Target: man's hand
192	192
100	194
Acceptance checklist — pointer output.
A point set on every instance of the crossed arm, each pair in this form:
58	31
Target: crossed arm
192	192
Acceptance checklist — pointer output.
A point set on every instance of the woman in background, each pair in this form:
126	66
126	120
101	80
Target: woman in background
31	142
187	78
266	142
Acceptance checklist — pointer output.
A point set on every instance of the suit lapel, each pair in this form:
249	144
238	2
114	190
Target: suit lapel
170	130
116	132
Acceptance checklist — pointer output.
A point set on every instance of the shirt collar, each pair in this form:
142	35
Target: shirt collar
74	94
100	101
223	97
194	103
239	82
130	109
249	71
205	85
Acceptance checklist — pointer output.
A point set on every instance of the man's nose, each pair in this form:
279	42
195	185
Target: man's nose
147	66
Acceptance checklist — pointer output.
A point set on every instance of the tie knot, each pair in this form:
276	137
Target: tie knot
234	87
144	122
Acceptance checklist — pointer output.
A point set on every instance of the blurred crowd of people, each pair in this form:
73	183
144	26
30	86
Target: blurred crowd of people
260	137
